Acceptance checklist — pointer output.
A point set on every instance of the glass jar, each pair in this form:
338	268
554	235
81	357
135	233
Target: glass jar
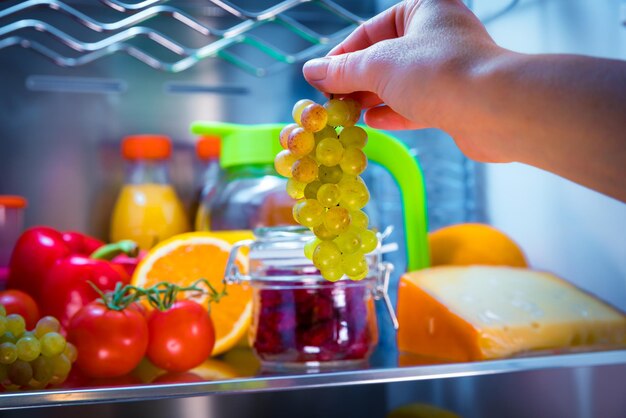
301	322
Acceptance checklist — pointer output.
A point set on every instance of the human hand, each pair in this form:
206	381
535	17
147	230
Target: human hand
407	67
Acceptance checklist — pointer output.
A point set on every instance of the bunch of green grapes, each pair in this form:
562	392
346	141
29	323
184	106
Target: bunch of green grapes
323	159
33	359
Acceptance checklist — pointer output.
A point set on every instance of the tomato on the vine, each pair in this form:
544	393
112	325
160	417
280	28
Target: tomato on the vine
181	337
21	303
110	342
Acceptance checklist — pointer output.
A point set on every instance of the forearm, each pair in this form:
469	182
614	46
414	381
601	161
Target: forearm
564	114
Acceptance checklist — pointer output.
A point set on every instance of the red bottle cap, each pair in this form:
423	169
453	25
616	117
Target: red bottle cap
13	201
208	147
146	147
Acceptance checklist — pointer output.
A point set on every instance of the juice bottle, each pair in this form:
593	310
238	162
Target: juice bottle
208	153
148	209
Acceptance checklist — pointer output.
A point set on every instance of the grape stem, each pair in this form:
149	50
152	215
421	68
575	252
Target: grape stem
161	296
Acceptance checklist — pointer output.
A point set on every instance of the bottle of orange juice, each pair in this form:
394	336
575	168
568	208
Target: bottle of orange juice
148	209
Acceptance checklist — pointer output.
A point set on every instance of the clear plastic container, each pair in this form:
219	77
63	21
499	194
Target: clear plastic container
148	209
11	226
301	322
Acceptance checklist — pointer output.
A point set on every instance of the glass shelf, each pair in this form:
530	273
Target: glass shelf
401	369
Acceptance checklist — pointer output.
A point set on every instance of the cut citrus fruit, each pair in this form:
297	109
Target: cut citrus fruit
213	369
185	258
474	244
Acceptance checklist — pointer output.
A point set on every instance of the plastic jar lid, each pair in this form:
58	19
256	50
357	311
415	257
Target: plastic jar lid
146	147
208	147
13	201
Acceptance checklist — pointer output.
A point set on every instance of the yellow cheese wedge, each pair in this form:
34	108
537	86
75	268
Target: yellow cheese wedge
485	312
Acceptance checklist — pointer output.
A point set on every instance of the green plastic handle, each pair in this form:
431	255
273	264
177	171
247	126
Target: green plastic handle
381	148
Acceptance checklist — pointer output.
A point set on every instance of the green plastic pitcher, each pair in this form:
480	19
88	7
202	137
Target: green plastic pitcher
259	144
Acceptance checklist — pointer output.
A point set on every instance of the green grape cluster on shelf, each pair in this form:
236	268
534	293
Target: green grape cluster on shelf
322	159
33	359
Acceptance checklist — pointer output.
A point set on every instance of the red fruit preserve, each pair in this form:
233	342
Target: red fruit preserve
301	322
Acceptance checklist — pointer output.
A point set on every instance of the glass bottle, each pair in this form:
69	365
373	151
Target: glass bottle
208	153
148	209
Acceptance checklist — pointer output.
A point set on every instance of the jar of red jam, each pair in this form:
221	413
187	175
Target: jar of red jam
301	322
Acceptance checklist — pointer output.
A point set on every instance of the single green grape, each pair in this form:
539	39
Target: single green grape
329	152
332	174
323	233
326	132
300	142
61	367
3	325
52	344
47	324
328	195
284	163
8	353
332	274
354	161
369	241
313	117
284	134
305	170
359	219
20	373
295	189
348	242
353	136
16	324
360	276
310	191
70	352
326	255
354	112
8	337
310	247
3	311
338	112
296	112
28	348
43	369
354	194
308	212
337	220
353	264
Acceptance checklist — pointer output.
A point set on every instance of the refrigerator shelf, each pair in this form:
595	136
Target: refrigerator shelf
374	374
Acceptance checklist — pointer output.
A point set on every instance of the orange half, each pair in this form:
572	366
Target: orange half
185	258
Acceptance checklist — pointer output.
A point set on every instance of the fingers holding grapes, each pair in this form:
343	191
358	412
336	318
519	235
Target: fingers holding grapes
323	158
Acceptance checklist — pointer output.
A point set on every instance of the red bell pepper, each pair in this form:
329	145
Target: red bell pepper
37	250
66	289
80	243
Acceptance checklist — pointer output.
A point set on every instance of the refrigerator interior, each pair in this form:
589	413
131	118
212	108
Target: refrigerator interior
60	130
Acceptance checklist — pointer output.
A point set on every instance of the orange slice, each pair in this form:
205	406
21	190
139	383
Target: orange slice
185	258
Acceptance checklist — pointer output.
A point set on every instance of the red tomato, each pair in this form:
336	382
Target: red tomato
18	302
181	337
109	343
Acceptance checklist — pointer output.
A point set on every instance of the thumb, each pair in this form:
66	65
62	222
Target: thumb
340	74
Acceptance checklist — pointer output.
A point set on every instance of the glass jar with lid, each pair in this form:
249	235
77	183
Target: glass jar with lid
301	322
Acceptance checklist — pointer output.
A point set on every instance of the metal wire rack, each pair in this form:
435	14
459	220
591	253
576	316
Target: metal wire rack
133	15
129	25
